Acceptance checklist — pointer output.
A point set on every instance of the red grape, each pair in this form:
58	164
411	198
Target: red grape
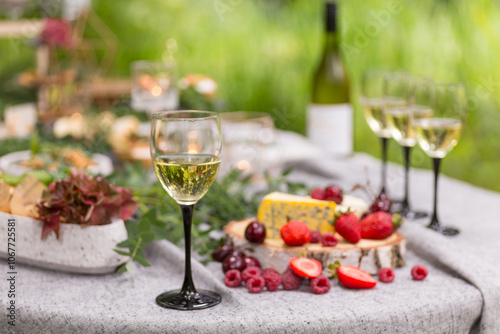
334	193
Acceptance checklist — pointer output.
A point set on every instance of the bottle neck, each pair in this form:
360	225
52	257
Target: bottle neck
330	42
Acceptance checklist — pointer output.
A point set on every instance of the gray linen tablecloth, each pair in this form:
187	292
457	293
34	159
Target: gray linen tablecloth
460	295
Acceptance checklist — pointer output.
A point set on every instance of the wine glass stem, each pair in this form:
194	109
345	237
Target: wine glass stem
187	219
406	152
384	162
434	220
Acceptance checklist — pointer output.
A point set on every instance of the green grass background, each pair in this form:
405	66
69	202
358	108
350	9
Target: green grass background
263	53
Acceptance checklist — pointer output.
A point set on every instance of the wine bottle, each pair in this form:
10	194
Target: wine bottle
330	116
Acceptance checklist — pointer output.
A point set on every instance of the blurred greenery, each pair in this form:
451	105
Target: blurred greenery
263	52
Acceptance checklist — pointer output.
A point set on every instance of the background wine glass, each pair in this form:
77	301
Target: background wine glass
185	148
401	109
439	134
372	94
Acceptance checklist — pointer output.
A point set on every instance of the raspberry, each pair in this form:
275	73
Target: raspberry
233	278
386	275
328	239
315	237
289	280
419	272
320	284
255	284
251	272
272	279
318	193
269	270
295	233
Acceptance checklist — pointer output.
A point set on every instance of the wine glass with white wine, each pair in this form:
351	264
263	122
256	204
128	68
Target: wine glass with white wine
373	102
439	134
185	148
413	104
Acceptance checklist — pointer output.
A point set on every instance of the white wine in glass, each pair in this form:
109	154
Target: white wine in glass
185	148
438	135
374	115
373	103
399	88
186	177
400	123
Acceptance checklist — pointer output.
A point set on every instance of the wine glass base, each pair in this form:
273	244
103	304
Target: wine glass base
188	301
402	207
447	231
413	215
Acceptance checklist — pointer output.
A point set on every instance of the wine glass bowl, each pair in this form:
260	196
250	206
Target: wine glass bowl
373	101
400	123
439	134
185	148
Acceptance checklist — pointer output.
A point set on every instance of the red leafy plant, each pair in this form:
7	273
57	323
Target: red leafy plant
84	200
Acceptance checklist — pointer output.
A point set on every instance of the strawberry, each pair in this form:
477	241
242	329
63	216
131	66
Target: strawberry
295	233
347	225
377	225
304	267
352	277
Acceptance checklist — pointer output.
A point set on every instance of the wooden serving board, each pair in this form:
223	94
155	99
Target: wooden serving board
369	255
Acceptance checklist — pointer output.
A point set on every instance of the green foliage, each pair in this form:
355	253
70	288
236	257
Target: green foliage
262	54
191	99
14	145
159	217
42	176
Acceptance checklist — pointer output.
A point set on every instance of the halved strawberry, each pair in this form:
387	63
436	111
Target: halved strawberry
354	278
304	267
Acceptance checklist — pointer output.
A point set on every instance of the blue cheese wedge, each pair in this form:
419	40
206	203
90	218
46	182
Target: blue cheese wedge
276	209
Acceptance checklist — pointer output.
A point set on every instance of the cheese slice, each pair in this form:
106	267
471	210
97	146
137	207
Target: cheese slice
5	193
276	209
25	196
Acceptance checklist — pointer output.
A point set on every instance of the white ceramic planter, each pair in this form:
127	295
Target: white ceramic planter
79	249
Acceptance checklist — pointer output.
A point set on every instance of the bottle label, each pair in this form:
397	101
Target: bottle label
330	127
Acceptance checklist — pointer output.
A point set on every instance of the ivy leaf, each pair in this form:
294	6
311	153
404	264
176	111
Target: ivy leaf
122	252
141	259
129	243
124	267
287	171
147	236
